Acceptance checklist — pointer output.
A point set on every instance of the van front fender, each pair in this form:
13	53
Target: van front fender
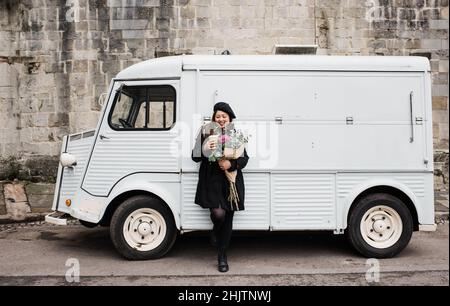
164	185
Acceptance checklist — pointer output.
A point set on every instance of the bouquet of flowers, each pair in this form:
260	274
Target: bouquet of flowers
230	144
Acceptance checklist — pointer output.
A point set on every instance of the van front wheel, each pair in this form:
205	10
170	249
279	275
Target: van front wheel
142	228
380	226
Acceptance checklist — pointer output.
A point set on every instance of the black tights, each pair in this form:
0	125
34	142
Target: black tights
223	226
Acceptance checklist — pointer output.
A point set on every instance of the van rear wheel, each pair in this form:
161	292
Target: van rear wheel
380	226
143	228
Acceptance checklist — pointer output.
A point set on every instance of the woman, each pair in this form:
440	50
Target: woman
213	186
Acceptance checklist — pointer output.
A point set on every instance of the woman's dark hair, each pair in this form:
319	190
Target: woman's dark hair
214	116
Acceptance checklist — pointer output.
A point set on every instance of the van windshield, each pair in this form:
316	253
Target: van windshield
143	107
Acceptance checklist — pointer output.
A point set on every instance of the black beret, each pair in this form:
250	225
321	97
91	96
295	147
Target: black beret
224	107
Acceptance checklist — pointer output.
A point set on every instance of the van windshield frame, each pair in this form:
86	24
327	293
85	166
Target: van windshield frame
166	96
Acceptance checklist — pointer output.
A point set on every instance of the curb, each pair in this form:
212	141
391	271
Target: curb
33	217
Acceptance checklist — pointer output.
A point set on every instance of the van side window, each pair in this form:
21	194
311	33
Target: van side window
143	107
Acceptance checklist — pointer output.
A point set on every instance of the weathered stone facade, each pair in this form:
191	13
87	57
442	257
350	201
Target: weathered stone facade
58	56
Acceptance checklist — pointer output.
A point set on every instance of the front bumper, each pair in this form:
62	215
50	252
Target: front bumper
56	218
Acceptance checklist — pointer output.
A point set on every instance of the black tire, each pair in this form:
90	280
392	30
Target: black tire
88	224
355	235
119	218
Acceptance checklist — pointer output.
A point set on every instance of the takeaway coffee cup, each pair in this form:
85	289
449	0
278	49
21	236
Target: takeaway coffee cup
214	139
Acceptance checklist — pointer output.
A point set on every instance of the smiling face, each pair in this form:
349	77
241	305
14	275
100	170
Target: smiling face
221	118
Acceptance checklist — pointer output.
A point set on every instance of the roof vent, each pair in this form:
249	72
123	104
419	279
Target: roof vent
295	49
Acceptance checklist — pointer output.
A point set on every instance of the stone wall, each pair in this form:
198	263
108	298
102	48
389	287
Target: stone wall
58	56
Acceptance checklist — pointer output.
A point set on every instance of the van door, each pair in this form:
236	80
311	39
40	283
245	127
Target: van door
137	135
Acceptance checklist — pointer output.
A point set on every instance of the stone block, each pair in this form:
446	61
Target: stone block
253	23
440	103
439	24
443	66
39	189
201	2
40	134
188	12
202	12
26	134
439	90
122	13
444	13
440	78
280	12
41	120
45	105
443	131
434	65
202	23
377	44
412	44
85	55
137	24
162	23
220	23
30	148
229	11
55	148
431	43
16	200
133	34
235	2
5	75
58	119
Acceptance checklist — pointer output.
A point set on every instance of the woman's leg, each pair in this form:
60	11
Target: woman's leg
226	230
224	241
218	218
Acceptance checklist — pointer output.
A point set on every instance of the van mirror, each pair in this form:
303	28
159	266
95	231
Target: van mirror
102	99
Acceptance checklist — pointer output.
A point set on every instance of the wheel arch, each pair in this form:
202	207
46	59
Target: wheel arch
400	192
118	197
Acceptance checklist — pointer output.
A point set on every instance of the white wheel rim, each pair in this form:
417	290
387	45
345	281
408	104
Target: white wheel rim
381	227
144	229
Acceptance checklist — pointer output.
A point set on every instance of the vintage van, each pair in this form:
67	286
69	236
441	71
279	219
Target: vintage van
336	143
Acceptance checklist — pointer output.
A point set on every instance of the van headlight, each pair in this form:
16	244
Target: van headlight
68	160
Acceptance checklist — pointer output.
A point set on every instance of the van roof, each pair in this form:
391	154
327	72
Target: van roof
172	66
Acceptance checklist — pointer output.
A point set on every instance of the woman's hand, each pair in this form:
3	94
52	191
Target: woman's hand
224	164
212	144
209	145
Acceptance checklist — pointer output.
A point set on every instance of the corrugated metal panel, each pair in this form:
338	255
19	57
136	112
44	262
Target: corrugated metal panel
192	215
303	201
129	152
71	179
257	204
346	182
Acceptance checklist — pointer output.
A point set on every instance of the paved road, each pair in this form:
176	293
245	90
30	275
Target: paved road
38	256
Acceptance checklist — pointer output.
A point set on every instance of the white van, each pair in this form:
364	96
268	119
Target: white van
336	143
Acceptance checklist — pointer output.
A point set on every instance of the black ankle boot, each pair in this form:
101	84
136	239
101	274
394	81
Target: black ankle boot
222	259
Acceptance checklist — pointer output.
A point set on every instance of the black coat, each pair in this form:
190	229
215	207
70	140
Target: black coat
213	185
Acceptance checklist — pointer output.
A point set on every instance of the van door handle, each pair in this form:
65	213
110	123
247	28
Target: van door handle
103	137
411	139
